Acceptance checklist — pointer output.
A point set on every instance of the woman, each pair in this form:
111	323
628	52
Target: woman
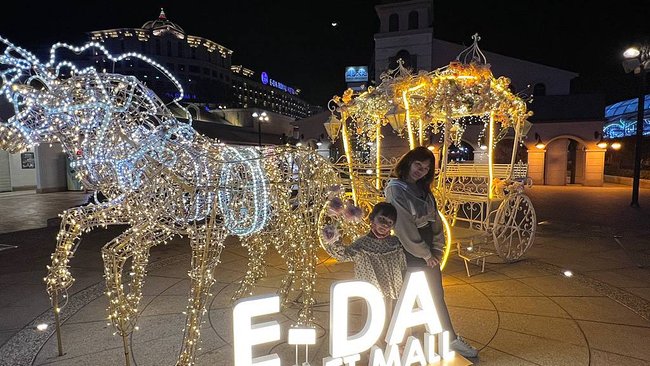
420	231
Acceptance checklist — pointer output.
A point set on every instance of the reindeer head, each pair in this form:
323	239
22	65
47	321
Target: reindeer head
23	81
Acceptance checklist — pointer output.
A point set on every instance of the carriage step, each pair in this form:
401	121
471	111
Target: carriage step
474	254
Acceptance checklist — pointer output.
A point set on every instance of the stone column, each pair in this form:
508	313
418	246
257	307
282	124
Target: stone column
480	156
594	167
50	169
536	165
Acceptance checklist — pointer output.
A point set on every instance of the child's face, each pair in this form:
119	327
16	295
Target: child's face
381	226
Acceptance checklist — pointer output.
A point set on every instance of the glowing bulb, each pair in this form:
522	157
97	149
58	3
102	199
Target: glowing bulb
631	52
567	273
42	327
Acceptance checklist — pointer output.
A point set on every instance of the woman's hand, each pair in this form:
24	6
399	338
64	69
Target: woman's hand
433	261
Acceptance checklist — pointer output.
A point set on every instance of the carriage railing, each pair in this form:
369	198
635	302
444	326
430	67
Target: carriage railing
465	191
369	186
463	196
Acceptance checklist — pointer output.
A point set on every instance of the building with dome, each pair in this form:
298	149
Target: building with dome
203	67
221	97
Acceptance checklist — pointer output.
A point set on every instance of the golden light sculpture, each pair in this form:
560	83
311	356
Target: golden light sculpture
162	179
444	101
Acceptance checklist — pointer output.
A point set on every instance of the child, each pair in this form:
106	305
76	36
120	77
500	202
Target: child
378	256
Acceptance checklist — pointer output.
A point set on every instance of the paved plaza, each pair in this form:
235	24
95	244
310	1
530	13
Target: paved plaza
524	313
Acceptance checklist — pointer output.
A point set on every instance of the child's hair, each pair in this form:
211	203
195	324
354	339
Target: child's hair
384	209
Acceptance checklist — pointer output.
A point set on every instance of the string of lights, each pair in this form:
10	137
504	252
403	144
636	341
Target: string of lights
162	179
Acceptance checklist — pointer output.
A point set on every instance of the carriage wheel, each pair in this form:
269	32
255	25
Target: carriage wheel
514	227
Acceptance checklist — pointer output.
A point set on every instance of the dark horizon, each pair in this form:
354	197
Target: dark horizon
297	44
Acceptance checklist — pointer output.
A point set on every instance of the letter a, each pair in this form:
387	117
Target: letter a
415	292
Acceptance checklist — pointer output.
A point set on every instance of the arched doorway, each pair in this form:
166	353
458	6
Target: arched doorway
565	162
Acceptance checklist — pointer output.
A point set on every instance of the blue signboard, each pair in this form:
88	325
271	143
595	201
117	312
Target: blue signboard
266	80
356	74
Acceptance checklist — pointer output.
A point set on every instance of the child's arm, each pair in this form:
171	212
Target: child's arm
341	252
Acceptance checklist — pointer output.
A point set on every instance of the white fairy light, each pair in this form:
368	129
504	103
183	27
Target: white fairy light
163	179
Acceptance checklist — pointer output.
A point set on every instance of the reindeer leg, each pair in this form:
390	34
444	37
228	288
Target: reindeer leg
257	246
74	222
288	280
308	281
207	243
133	244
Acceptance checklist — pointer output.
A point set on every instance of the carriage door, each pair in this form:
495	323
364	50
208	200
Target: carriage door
5	176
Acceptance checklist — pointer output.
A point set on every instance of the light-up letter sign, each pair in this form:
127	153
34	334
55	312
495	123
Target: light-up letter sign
246	335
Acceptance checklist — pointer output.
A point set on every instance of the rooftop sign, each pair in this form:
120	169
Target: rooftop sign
266	80
356	74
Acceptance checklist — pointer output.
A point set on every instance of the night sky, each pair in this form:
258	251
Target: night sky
296	44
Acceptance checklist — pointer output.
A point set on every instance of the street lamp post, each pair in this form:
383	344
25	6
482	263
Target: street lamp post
261	117
635	61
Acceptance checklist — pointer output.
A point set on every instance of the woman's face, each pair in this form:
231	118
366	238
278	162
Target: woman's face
418	169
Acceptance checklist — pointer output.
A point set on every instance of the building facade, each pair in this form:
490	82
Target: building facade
220	96
203	67
567	123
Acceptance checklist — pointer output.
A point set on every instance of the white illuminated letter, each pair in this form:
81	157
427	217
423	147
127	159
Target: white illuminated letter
430	347
246	335
443	346
332	361
351	360
415	291
390	358
413	353
340	344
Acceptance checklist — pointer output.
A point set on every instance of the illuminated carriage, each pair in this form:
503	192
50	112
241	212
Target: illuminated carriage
485	199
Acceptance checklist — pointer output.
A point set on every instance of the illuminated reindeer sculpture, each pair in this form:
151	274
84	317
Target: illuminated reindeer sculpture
162	179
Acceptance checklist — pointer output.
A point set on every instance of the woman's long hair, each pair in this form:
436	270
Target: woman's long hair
403	166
